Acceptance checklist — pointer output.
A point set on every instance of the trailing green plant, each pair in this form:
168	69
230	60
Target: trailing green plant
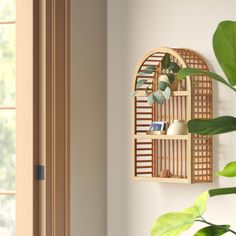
164	79
174	223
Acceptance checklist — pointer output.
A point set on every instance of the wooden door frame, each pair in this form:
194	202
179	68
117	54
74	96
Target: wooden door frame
43	116
54	122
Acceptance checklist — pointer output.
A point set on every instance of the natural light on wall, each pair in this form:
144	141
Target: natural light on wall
7	117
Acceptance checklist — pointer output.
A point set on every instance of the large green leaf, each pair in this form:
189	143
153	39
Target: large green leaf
224	44
172	224
213	230
229	170
183	73
218	125
199	206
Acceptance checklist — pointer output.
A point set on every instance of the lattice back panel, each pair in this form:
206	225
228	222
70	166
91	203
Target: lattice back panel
201	109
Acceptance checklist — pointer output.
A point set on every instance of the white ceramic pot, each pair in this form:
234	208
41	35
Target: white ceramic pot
179	127
174	85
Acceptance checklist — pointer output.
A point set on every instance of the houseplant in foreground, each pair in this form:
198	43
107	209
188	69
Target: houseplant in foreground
174	223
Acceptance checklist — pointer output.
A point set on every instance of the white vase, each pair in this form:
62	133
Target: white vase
179	127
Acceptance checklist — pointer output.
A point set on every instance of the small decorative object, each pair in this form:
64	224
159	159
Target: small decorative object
179	127
158	127
165	173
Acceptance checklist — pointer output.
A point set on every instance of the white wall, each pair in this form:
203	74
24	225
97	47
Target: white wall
88	117
135	27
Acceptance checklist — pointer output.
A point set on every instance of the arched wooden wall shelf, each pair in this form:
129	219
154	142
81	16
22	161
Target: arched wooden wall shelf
187	157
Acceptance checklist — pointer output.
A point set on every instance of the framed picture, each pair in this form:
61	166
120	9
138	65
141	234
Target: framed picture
157	126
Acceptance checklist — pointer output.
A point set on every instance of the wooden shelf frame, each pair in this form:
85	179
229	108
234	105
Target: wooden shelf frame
162	136
187	156
174	93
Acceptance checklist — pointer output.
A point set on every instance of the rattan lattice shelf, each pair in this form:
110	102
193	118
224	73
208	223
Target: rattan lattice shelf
187	157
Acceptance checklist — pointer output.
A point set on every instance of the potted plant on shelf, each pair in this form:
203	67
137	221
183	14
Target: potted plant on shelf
165	79
174	223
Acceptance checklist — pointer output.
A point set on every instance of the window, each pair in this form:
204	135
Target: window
7	117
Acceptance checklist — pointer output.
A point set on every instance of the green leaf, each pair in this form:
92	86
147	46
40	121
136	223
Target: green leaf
151	67
151	99
148	70
165	63
219	125
229	170
215	230
199	206
172	224
140	83
162	85
183	73
174	67
222	191
224	45
133	94
171	77
159	97
167	93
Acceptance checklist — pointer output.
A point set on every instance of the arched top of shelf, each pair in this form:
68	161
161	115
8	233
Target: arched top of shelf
154	57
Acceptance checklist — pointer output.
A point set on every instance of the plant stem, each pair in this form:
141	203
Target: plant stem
209	223
222	191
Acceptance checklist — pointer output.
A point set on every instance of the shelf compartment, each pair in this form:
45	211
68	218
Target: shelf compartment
163	180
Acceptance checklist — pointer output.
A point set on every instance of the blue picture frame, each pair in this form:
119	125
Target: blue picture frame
157	126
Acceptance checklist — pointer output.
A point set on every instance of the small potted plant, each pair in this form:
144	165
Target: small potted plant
165	80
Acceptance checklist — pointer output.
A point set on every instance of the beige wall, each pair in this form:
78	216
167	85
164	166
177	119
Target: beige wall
88	100
135	27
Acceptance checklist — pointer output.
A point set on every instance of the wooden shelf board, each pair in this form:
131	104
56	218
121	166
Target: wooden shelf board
174	93
162	180
159	136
